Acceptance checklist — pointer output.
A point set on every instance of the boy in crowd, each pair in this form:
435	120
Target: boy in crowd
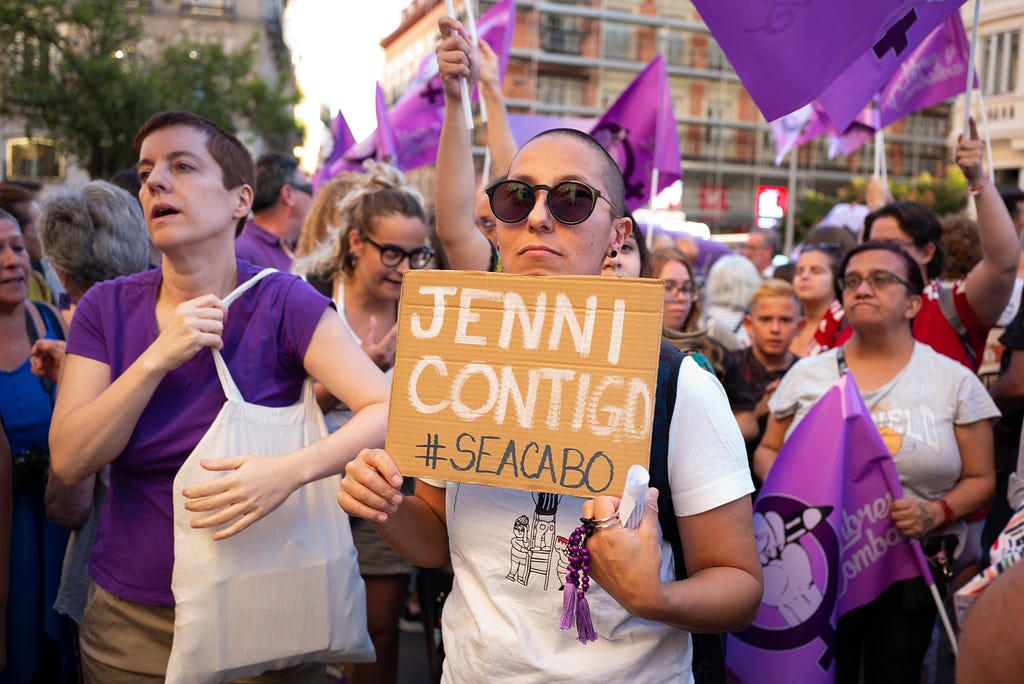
751	375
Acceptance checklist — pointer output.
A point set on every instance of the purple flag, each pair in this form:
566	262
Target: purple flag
417	116
789	129
787	53
342	140
856	134
826	541
640	132
496	26
935	72
386	147
862	80
526	126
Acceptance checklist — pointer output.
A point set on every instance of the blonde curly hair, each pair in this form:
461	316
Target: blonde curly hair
354	204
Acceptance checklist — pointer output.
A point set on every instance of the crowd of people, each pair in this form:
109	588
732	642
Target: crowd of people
110	300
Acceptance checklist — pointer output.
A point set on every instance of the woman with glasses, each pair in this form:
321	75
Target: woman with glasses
933	414
682	319
379	233
955	318
560	212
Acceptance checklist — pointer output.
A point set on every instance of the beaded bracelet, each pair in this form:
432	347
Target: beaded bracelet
575	609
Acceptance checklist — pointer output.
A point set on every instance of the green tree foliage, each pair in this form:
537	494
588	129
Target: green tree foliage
945	195
85	73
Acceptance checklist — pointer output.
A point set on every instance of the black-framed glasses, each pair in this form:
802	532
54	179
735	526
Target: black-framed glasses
392	255
876	280
570	202
673	289
303	187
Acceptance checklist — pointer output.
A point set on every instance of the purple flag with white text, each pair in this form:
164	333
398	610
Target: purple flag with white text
787	53
936	71
861	81
640	132
826	541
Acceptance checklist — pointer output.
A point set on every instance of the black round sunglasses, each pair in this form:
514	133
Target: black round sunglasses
570	202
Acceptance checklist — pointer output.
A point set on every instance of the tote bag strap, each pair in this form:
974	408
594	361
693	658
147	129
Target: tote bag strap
227	382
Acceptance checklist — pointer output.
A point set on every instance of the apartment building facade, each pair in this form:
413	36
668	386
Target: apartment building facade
573	58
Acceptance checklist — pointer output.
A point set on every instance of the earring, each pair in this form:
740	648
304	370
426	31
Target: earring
614	253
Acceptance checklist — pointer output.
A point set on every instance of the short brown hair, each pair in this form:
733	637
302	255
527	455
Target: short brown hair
231	155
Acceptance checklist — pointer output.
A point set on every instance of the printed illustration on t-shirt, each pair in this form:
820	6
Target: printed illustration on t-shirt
535	547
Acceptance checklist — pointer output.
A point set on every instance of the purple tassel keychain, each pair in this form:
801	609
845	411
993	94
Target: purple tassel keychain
575	608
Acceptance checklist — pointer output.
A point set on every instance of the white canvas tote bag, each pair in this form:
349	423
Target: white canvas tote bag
287	589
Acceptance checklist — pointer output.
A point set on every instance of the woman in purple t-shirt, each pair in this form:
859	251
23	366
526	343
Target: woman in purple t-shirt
139	390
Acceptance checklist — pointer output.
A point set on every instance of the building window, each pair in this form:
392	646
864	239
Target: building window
562	35
34	159
618	41
30	57
673	46
561	90
208	7
999	55
716	58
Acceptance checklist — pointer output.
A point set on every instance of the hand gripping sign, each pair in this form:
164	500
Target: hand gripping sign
525	382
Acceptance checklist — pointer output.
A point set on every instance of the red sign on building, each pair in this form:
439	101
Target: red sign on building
714	198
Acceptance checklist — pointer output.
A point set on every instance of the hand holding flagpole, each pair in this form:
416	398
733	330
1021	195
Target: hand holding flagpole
467	105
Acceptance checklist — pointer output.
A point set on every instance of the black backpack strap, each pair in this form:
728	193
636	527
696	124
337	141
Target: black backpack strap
708	662
33	335
670	361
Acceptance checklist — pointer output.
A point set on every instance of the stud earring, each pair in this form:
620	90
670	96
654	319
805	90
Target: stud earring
614	253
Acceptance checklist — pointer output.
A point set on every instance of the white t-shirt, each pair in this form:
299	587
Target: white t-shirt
915	412
500	622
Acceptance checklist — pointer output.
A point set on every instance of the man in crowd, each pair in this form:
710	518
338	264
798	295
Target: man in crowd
761	247
282	199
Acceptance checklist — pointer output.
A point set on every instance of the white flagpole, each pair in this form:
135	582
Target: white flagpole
471	25
467	105
985	132
485	174
970	70
876	169
944	616
654	193
880	137
790	232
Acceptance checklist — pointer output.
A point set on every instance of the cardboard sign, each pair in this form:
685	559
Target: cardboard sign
525	382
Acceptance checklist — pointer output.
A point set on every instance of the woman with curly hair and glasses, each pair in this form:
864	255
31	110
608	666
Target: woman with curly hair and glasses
379	231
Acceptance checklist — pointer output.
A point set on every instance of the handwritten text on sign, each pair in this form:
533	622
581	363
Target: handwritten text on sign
525	382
